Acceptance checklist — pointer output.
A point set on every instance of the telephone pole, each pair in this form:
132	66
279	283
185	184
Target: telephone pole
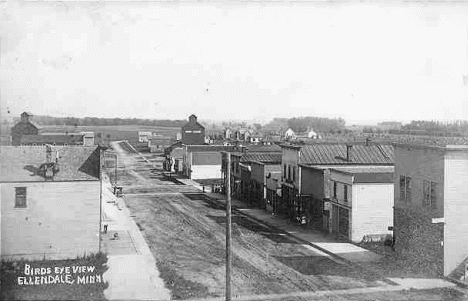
228	227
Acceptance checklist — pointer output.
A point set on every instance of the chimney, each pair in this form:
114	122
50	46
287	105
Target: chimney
25	117
348	152
193	119
50	168
48	153
368	141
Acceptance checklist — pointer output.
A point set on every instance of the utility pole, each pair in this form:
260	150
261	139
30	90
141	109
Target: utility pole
115	170
228	228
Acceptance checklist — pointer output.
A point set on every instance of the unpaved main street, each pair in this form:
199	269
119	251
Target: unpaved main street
185	231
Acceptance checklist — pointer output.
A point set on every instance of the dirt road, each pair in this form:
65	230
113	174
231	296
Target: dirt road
186	234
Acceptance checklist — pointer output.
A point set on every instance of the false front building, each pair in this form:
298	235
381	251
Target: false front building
50	201
308	206
431	207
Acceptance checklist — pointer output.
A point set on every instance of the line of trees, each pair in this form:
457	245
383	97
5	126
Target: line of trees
94	121
303	124
318	124
456	128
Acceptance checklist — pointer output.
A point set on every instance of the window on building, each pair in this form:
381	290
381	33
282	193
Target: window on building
289	172
429	194
20	197
405	189
402	188
294	173
345	193
408	189
335	186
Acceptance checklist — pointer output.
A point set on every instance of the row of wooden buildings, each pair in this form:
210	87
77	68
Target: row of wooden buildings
412	193
318	184
365	192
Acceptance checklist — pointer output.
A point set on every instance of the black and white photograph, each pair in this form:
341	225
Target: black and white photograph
233	150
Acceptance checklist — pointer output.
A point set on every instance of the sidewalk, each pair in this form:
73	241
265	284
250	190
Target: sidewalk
347	251
132	273
344	250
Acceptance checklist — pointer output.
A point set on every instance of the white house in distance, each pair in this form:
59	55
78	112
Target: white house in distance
88	138
312	134
289	134
144	136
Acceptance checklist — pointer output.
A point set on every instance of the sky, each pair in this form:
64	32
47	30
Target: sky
364	62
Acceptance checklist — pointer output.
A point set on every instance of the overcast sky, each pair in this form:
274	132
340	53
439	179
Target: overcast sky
361	62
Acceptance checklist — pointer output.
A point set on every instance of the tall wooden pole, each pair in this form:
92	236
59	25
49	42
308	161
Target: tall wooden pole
115	170
228	228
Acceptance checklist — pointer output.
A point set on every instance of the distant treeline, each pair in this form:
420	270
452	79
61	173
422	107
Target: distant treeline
303	124
457	128
319	124
94	121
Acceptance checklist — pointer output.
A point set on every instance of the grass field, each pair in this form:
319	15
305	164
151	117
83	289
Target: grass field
103	134
114	133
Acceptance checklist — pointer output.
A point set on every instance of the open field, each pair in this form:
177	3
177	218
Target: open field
107	133
113	133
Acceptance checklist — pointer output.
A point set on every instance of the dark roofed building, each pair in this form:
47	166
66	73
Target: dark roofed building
158	144
273	148
24	127
50	201
343	154
354	201
22	163
295	157
211	148
262	165
193	133
270	158
368	174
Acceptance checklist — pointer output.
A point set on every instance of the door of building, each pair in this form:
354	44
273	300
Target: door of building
335	219
343	228
340	221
